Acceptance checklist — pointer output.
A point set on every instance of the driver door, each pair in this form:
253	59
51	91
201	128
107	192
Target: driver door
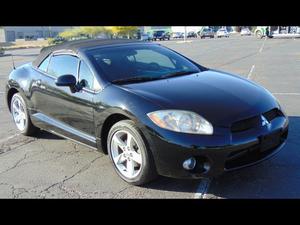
58	109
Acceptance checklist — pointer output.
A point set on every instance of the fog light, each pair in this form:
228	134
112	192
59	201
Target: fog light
189	164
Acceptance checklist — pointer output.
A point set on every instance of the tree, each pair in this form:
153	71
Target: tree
94	31
128	31
70	33
118	31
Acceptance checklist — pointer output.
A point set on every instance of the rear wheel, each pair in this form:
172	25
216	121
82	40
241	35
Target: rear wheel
20	115
130	156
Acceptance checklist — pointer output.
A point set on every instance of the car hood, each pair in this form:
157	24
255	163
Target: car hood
220	97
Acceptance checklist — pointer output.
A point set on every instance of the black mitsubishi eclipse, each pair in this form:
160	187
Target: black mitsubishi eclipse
152	110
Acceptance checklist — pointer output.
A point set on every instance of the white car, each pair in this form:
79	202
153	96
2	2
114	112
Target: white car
177	35
146	37
222	33
245	31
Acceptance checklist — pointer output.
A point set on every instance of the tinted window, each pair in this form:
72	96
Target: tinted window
138	60
152	58
44	65
85	76
62	65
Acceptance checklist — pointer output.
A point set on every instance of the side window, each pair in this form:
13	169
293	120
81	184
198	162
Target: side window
85	76
44	65
62	65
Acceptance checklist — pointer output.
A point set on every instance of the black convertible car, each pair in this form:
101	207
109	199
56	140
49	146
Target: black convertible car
151	109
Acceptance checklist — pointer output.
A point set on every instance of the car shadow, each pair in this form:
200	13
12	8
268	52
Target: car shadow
278	177
174	185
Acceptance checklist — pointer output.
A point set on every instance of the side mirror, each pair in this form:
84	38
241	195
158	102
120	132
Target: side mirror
67	81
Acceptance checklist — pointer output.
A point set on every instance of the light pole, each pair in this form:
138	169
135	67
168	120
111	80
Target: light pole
50	32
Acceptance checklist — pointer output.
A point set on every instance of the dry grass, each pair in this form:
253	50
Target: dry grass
24	44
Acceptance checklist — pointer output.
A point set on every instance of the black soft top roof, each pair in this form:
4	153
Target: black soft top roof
79	44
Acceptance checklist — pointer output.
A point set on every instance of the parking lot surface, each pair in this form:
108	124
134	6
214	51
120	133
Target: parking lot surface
48	166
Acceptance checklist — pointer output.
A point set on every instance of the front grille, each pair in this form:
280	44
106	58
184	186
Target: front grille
255	121
251	154
246	124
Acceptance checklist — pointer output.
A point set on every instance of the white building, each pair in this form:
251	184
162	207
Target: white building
10	34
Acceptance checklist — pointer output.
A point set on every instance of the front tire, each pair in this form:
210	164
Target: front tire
21	116
131	158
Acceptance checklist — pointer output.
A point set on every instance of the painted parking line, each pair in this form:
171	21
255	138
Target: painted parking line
8	138
179	42
202	189
283	93
262	46
250	72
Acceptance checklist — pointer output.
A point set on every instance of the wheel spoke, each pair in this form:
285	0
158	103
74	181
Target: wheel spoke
119	142
119	159
18	104
130	168
22	109
15	108
129	140
18	118
136	157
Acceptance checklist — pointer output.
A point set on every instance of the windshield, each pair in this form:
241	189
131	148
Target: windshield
139	61
159	32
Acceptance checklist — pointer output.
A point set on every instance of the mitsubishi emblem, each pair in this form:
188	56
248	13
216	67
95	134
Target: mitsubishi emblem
264	121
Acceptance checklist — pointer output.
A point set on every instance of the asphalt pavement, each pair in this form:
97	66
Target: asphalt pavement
48	166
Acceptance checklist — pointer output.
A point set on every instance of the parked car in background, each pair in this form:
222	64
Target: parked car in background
146	37
222	33
2	51
277	32
57	40
192	34
177	35
161	35
206	32
245	32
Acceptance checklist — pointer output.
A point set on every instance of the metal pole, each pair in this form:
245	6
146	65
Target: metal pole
184	34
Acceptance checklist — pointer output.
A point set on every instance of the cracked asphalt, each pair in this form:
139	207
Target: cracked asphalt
48	166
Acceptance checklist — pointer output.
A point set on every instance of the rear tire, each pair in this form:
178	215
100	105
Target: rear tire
125	144
21	116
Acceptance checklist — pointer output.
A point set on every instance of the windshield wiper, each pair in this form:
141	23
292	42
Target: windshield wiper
134	79
150	78
180	73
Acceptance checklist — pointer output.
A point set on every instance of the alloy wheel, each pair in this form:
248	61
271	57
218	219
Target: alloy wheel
126	154
19	114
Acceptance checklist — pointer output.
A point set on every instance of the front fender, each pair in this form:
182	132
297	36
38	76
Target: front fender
114	100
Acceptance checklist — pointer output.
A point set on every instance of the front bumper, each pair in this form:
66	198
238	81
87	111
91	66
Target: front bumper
221	152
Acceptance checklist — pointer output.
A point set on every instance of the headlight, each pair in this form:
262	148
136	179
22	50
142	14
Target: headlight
181	121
